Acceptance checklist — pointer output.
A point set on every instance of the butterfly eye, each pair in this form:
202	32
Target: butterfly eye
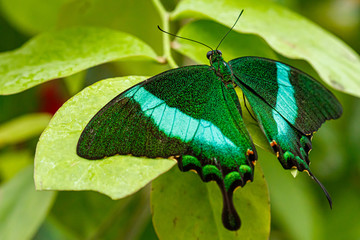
208	55
219	52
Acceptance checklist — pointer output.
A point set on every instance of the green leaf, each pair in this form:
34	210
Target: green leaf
288	195
287	33
23	128
32	16
63	53
22	209
340	224
186	208
58	167
138	21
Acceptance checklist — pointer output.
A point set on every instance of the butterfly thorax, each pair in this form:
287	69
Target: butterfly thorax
220	67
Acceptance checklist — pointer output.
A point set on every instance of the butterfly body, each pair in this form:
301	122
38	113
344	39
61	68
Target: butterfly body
193	114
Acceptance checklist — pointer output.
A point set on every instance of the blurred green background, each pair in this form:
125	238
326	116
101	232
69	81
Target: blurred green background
299	209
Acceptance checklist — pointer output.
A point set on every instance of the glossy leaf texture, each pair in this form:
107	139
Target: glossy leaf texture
287	33
62	53
105	13
191	209
58	167
140	22
22	209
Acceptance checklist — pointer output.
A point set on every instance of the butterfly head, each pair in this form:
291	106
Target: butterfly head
214	56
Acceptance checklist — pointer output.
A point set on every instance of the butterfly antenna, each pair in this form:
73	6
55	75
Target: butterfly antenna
184	38
248	108
322	187
230	29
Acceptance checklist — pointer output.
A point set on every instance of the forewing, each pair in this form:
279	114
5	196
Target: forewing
144	120
187	113
297	97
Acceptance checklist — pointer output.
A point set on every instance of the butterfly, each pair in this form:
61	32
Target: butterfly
193	114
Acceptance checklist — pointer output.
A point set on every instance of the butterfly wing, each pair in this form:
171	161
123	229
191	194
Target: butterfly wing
186	113
297	97
291	146
289	106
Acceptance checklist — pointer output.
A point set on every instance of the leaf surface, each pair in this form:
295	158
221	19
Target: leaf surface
58	167
62	53
184	207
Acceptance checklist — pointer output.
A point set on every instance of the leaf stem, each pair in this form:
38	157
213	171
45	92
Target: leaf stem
165	19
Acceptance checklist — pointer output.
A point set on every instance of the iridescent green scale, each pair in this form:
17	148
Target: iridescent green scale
193	114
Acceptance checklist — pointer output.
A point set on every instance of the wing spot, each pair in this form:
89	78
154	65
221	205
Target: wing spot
273	143
275	147
249	152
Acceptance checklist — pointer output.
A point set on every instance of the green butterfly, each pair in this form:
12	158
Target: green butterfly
193	114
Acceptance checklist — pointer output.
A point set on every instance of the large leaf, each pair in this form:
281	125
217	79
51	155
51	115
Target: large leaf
138	21
62	53
289	195
286	32
22	209
186	208
339	222
58	167
23	127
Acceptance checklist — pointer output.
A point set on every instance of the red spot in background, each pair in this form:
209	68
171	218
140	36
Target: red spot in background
51	96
